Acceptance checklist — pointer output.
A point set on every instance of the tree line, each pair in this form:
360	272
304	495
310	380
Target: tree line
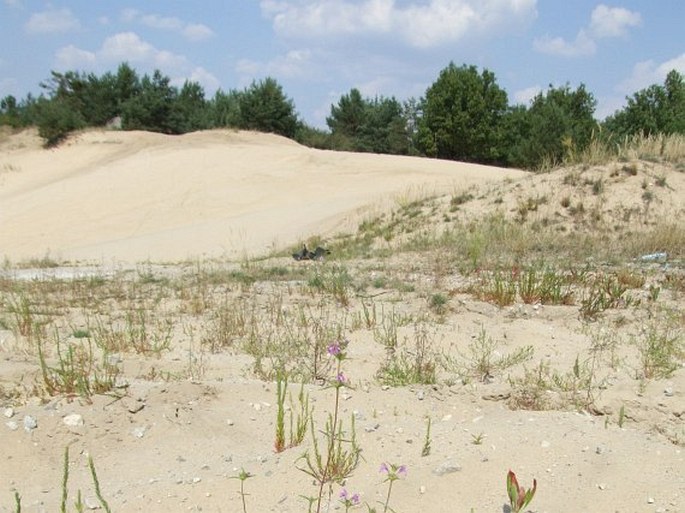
464	115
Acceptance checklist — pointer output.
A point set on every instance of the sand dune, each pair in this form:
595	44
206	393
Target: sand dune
131	196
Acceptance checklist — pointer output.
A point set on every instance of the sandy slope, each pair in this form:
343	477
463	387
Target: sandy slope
131	196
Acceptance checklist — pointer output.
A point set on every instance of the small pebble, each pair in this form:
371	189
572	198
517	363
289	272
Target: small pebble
422	489
138	432
420	395
650	500
12	425
602	486
30	423
545	444
9	412
229	422
447	467
668	392
73	420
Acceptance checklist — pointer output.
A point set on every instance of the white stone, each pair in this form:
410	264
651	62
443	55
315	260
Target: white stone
9	412
73	420
30	423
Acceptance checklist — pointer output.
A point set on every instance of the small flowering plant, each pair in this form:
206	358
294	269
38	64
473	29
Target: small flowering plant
349	501
392	473
519	497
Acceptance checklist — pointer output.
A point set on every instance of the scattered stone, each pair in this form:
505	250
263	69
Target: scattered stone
73	420
257	407
139	432
448	467
668	392
447	418
385	387
422	489
600	449
134	406
92	503
30	423
196	480
371	429
9	413
420	395
602	486
229	422
545	444
12	425
650	500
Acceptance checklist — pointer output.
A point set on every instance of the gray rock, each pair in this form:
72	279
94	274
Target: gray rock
448	467
30	423
12	424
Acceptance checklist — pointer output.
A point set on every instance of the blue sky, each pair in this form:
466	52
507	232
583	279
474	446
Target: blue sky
320	49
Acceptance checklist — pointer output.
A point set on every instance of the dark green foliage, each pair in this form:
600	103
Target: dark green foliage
225	109
368	125
56	119
656	109
152	107
190	110
265	108
462	116
558	123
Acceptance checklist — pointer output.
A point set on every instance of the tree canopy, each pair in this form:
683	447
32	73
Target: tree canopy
464	114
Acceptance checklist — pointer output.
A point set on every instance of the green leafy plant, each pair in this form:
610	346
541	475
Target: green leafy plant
243	476
519	497
342	454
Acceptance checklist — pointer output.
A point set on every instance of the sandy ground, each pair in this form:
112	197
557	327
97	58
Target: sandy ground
182	428
133	196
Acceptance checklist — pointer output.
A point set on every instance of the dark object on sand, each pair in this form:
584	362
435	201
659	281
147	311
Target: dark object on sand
304	254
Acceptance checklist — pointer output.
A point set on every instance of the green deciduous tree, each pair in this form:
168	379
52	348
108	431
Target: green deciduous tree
462	115
655	109
558	122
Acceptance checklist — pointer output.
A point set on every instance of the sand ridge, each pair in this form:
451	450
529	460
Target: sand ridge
134	196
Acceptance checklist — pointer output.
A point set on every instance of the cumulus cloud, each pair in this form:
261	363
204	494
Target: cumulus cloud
605	22
582	45
418	24
71	57
612	21
130	47
525	96
646	73
295	63
52	21
191	31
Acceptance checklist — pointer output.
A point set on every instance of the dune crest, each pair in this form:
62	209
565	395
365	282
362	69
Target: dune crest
134	196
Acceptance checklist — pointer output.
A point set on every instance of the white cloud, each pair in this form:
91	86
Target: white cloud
125	46
612	21
295	63
191	31
647	73
52	21
71	57
604	22
581	46
130	47
197	32
419	24
206	79
525	96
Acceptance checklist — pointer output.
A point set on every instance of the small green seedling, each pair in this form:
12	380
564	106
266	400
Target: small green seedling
519	497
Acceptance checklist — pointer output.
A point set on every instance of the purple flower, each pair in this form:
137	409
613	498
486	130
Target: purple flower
394	472
355	500
341	378
384	468
402	470
334	349
343	494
